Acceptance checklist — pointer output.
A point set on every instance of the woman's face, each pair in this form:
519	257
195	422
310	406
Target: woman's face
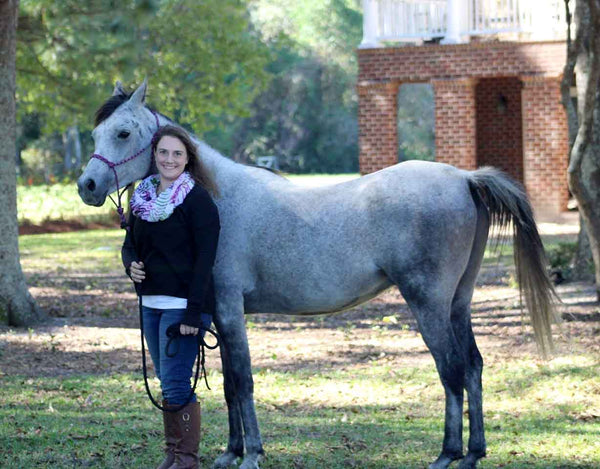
171	158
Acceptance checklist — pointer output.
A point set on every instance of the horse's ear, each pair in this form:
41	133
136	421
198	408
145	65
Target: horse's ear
139	95
118	89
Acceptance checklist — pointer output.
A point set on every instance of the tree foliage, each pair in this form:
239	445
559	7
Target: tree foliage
201	58
416	121
251	77
307	115
330	28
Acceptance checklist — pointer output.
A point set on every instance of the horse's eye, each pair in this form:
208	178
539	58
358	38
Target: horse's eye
123	134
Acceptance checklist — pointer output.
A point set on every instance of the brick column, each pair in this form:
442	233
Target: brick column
545	145
378	129
455	122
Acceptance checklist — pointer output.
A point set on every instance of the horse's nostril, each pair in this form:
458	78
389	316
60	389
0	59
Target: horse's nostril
91	185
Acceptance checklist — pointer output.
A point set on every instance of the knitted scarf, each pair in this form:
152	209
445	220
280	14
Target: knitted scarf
148	206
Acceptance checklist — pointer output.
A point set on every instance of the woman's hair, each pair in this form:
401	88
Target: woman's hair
194	166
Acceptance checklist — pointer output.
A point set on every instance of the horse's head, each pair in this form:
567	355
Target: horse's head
124	128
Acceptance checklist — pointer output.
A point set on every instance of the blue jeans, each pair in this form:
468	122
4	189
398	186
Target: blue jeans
173	372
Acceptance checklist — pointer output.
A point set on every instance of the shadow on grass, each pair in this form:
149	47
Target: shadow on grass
46	359
61	426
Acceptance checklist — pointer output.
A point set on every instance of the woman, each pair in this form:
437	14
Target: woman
169	252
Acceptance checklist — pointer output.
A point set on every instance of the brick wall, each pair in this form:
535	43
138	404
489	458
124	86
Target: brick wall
528	139
378	133
545	144
479	60
499	125
455	125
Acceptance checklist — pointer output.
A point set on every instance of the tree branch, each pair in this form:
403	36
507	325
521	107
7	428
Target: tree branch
47	72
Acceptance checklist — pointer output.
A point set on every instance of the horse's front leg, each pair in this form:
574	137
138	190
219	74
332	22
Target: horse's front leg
239	385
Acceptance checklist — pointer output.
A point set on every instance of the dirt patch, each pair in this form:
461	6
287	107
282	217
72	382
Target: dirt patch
97	332
62	226
93	328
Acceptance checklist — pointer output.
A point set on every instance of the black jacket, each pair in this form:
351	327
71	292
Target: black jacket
178	253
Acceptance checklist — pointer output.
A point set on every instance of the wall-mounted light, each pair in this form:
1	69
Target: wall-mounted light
502	104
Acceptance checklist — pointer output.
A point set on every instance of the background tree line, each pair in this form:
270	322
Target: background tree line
251	77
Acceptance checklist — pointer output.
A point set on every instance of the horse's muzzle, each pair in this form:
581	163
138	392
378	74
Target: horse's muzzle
89	191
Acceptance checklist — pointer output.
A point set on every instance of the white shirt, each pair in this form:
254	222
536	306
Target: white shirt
164	302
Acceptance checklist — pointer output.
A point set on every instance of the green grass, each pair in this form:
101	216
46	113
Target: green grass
36	204
375	417
355	415
93	251
503	252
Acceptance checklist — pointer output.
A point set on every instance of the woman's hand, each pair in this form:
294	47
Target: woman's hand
136	271
188	330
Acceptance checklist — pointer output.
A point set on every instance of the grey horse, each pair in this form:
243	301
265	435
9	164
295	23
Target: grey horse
290	250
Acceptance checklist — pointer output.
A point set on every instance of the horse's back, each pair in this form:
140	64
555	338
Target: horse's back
322	249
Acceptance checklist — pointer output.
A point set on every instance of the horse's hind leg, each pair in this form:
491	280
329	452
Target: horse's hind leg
450	362
461	324
474	368
430	302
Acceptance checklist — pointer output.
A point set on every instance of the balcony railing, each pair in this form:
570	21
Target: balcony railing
455	21
412	20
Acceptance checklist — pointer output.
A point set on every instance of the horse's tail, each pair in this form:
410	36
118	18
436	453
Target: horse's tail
508	204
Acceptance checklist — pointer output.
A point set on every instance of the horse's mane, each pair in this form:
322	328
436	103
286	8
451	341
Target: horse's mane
112	103
110	106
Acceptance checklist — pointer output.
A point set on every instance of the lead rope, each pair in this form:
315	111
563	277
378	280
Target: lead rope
199	363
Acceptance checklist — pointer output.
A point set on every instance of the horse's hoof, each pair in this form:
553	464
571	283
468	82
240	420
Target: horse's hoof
470	461
464	464
251	462
249	465
444	460
227	459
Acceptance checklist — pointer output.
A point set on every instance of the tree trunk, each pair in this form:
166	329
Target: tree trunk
77	143
583	263
68	158
583	57
17	307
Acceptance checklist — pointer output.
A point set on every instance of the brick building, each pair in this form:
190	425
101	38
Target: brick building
497	90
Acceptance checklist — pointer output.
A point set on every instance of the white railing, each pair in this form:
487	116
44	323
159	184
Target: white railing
487	17
537	18
411	19
455	21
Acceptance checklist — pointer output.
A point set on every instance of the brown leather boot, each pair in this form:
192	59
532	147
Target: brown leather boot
170	429
188	433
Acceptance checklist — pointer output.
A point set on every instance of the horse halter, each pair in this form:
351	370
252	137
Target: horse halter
113	166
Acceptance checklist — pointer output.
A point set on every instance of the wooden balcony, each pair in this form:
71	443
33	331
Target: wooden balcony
461	21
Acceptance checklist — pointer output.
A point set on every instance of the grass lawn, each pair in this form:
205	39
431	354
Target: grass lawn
36	204
353	390
378	416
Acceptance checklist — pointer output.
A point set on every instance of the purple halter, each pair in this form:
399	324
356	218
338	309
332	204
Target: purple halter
113	166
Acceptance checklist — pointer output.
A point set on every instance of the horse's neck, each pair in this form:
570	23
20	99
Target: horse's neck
224	170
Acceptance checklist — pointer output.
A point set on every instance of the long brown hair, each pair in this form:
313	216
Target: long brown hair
194	166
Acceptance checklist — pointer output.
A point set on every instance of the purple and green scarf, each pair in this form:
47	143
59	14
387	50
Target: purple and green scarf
149	206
